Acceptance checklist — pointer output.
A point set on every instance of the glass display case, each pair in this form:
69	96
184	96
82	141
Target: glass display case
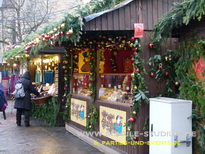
115	81
81	84
115	87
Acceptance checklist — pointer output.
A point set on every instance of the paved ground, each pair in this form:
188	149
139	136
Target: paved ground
39	138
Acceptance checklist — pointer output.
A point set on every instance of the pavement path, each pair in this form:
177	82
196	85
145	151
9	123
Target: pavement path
40	138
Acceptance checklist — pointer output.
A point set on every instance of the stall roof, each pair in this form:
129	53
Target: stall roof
123	16
95	15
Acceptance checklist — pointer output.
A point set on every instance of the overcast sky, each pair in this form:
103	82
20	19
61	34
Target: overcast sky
1	2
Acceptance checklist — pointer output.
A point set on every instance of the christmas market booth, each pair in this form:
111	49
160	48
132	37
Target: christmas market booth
103	72
45	69
108	77
46	72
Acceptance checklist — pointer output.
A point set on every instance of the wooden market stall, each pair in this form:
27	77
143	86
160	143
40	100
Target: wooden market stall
107	46
46	74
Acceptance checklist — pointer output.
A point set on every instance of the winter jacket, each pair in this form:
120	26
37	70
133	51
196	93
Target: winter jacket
25	103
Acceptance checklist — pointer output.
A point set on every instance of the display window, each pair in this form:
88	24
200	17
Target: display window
81	84
81	76
44	73
115	69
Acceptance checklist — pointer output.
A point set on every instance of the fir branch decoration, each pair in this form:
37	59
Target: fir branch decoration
163	67
93	114
47	112
139	87
67	76
96	6
181	14
191	88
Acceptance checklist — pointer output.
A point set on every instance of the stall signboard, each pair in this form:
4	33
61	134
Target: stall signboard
112	123
78	111
139	30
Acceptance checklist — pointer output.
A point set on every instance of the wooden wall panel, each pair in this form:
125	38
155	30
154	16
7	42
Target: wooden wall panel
155	12
116	23
122	18
86	26
127	18
98	23
134	14
160	12
145	14
149	16
92	25
164	6
104	22
110	21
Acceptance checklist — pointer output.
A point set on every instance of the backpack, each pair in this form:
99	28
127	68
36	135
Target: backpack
19	91
3	107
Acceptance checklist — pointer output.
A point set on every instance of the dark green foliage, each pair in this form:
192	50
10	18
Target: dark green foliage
181	14
47	112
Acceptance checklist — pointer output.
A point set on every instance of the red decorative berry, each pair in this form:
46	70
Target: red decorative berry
136	49
132	39
133	59
68	34
138	70
27	48
167	73
135	138
47	37
150	45
152	74
92	58
160	67
63	100
132	119
66	85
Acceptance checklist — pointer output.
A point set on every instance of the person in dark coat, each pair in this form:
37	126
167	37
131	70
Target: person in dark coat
23	105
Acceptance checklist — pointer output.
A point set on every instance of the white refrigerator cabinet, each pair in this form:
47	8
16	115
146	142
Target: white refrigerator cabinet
170	122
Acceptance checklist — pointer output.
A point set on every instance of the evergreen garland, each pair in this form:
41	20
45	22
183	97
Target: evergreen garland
93	113
67	78
162	65
181	14
139	87
191	88
96	6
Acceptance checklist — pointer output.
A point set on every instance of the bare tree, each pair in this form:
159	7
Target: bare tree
25	17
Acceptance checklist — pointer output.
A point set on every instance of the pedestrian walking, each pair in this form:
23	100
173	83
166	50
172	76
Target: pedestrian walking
23	105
